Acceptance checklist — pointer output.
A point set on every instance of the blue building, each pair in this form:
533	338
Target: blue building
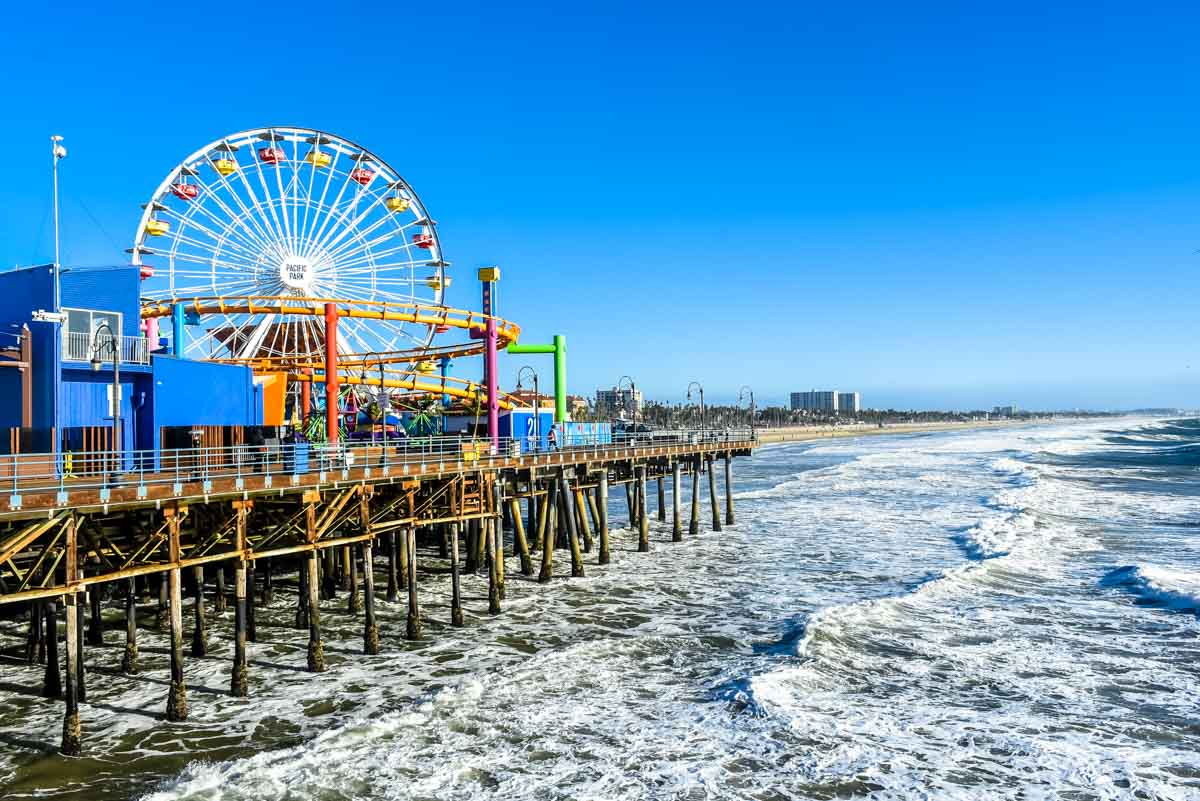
160	396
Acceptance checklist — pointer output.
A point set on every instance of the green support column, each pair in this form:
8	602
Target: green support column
558	349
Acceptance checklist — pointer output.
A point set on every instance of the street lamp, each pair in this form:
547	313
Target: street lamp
632	400
113	343
744	390
537	404
689	397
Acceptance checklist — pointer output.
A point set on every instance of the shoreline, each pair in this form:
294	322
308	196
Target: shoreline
774	436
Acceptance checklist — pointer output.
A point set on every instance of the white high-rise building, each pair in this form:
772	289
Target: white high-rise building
830	401
849	403
628	402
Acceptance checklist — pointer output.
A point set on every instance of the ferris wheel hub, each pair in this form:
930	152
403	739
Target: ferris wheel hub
297	272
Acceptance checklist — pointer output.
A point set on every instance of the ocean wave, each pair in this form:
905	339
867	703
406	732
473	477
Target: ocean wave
1158	586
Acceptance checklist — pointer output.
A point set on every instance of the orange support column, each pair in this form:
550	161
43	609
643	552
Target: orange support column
305	399
331	373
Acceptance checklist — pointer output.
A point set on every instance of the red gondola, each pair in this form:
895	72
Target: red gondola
362	175
423	240
185	191
441	329
145	271
271	155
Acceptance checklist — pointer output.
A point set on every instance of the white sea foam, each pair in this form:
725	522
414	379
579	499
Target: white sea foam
1175	589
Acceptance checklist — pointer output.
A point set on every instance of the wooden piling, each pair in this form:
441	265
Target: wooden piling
80	682
729	518
414	612
547	524
676	517
393	592
71	732
489	533
268	592
712	496
316	650
200	628
472	566
162	617
329	583
592	509
456	613
251	623
531	505
353	602
602	516
694	523
220	603
52	681
177	705
582	514
498	534
95	630
129	661
301	621
347	565
662	501
370	627
568	513
643	518
243	588
519	542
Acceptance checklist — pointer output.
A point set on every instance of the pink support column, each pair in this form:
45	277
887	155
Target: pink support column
331	373
493	386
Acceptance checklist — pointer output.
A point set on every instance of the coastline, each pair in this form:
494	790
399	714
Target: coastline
772	436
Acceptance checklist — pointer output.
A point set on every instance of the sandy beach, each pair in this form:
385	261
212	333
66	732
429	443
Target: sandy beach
801	433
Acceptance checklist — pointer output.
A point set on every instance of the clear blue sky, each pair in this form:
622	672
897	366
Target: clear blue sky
937	205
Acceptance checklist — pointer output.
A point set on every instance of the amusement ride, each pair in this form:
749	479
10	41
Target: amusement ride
308	258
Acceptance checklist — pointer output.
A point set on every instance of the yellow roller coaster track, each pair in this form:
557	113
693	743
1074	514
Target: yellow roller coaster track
315	307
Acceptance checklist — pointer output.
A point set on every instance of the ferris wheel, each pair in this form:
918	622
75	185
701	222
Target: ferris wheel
287	212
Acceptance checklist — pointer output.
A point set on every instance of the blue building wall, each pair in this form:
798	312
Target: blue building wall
113	289
188	393
21	293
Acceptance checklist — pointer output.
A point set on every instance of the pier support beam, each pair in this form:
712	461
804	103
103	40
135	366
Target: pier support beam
489	532
676	516
71	733
52	681
694	522
316	650
498	534
602	516
200	629
548	526
456	612
370	627
95	630
129	662
643	518
268	592
220	603
662	502
393	591
177	705
80	679
413	631
729	518
353	602
713	501
519	542
162	618
243	588
582	513
568	513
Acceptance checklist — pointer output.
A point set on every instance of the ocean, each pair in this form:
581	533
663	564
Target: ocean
985	614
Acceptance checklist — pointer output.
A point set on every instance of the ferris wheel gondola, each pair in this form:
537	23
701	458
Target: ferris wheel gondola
297	213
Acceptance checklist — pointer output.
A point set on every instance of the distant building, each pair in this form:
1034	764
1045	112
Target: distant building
849	403
815	401
526	398
627	402
1005	411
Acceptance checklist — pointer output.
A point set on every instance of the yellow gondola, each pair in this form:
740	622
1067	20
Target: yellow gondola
225	166
396	204
426	367
157	227
318	158
437	282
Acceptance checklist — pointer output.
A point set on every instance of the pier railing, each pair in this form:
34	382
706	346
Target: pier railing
274	464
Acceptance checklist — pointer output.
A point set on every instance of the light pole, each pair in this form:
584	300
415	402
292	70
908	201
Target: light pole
113	343
689	397
383	408
741	392
537	404
632	400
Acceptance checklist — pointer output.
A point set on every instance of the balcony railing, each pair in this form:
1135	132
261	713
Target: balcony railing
81	347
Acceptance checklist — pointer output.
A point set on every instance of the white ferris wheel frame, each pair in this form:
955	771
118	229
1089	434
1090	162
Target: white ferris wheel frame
230	241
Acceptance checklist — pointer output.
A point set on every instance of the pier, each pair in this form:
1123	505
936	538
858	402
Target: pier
347	517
